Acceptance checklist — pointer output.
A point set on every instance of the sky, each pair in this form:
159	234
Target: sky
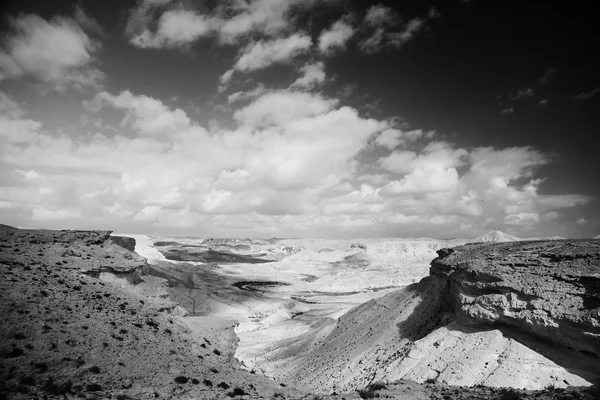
300	118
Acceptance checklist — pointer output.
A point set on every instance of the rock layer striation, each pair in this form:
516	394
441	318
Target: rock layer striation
519	314
550	289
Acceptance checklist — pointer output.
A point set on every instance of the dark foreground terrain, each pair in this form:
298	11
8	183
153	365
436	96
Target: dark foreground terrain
67	334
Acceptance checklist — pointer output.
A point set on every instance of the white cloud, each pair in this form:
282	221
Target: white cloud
433	170
56	52
269	17
312	75
380	15
232	21
392	138
176	29
246	95
147	115
264	53
336	37
281	107
381	20
292	163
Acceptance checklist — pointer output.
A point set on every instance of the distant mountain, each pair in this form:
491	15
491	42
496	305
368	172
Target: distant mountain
496	236
597	237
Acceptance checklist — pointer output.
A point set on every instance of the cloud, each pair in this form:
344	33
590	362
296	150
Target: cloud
392	138
147	115
264	53
529	91
161	24
261	54
585	96
290	163
268	17
312	75
176	29
335	37
542	80
522	94
86	21
382	20
380	14
56	52
508	110
281	107
246	95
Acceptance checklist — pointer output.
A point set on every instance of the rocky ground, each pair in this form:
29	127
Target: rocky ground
68	334
520	314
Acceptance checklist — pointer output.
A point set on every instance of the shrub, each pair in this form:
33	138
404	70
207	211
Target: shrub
366	393
181	379
377	386
509	394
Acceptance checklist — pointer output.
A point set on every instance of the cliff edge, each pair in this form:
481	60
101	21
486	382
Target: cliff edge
550	289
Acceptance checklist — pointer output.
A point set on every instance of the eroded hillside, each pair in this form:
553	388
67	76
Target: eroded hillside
521	314
67	333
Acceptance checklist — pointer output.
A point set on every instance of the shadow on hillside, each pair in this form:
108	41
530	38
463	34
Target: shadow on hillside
428	315
578	363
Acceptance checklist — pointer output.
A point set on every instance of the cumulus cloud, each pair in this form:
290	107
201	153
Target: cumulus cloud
312	75
264	53
176	29
232	21
292	163
380	14
335	37
246	95
261	54
392	138
57	52
280	107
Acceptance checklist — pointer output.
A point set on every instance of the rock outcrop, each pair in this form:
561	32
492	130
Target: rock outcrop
125	242
550	289
519	314
68	333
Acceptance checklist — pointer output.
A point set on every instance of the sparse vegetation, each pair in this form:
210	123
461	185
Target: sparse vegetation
509	394
236	392
181	379
370	391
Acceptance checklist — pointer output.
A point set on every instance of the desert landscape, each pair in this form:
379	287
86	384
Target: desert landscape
299	199
94	315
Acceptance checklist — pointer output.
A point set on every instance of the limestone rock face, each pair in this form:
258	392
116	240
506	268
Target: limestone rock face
521	314
125	242
550	289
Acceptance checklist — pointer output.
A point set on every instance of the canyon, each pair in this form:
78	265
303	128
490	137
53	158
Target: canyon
283	318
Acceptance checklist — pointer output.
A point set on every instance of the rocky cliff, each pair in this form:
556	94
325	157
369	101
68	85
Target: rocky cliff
519	314
125	242
550	289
